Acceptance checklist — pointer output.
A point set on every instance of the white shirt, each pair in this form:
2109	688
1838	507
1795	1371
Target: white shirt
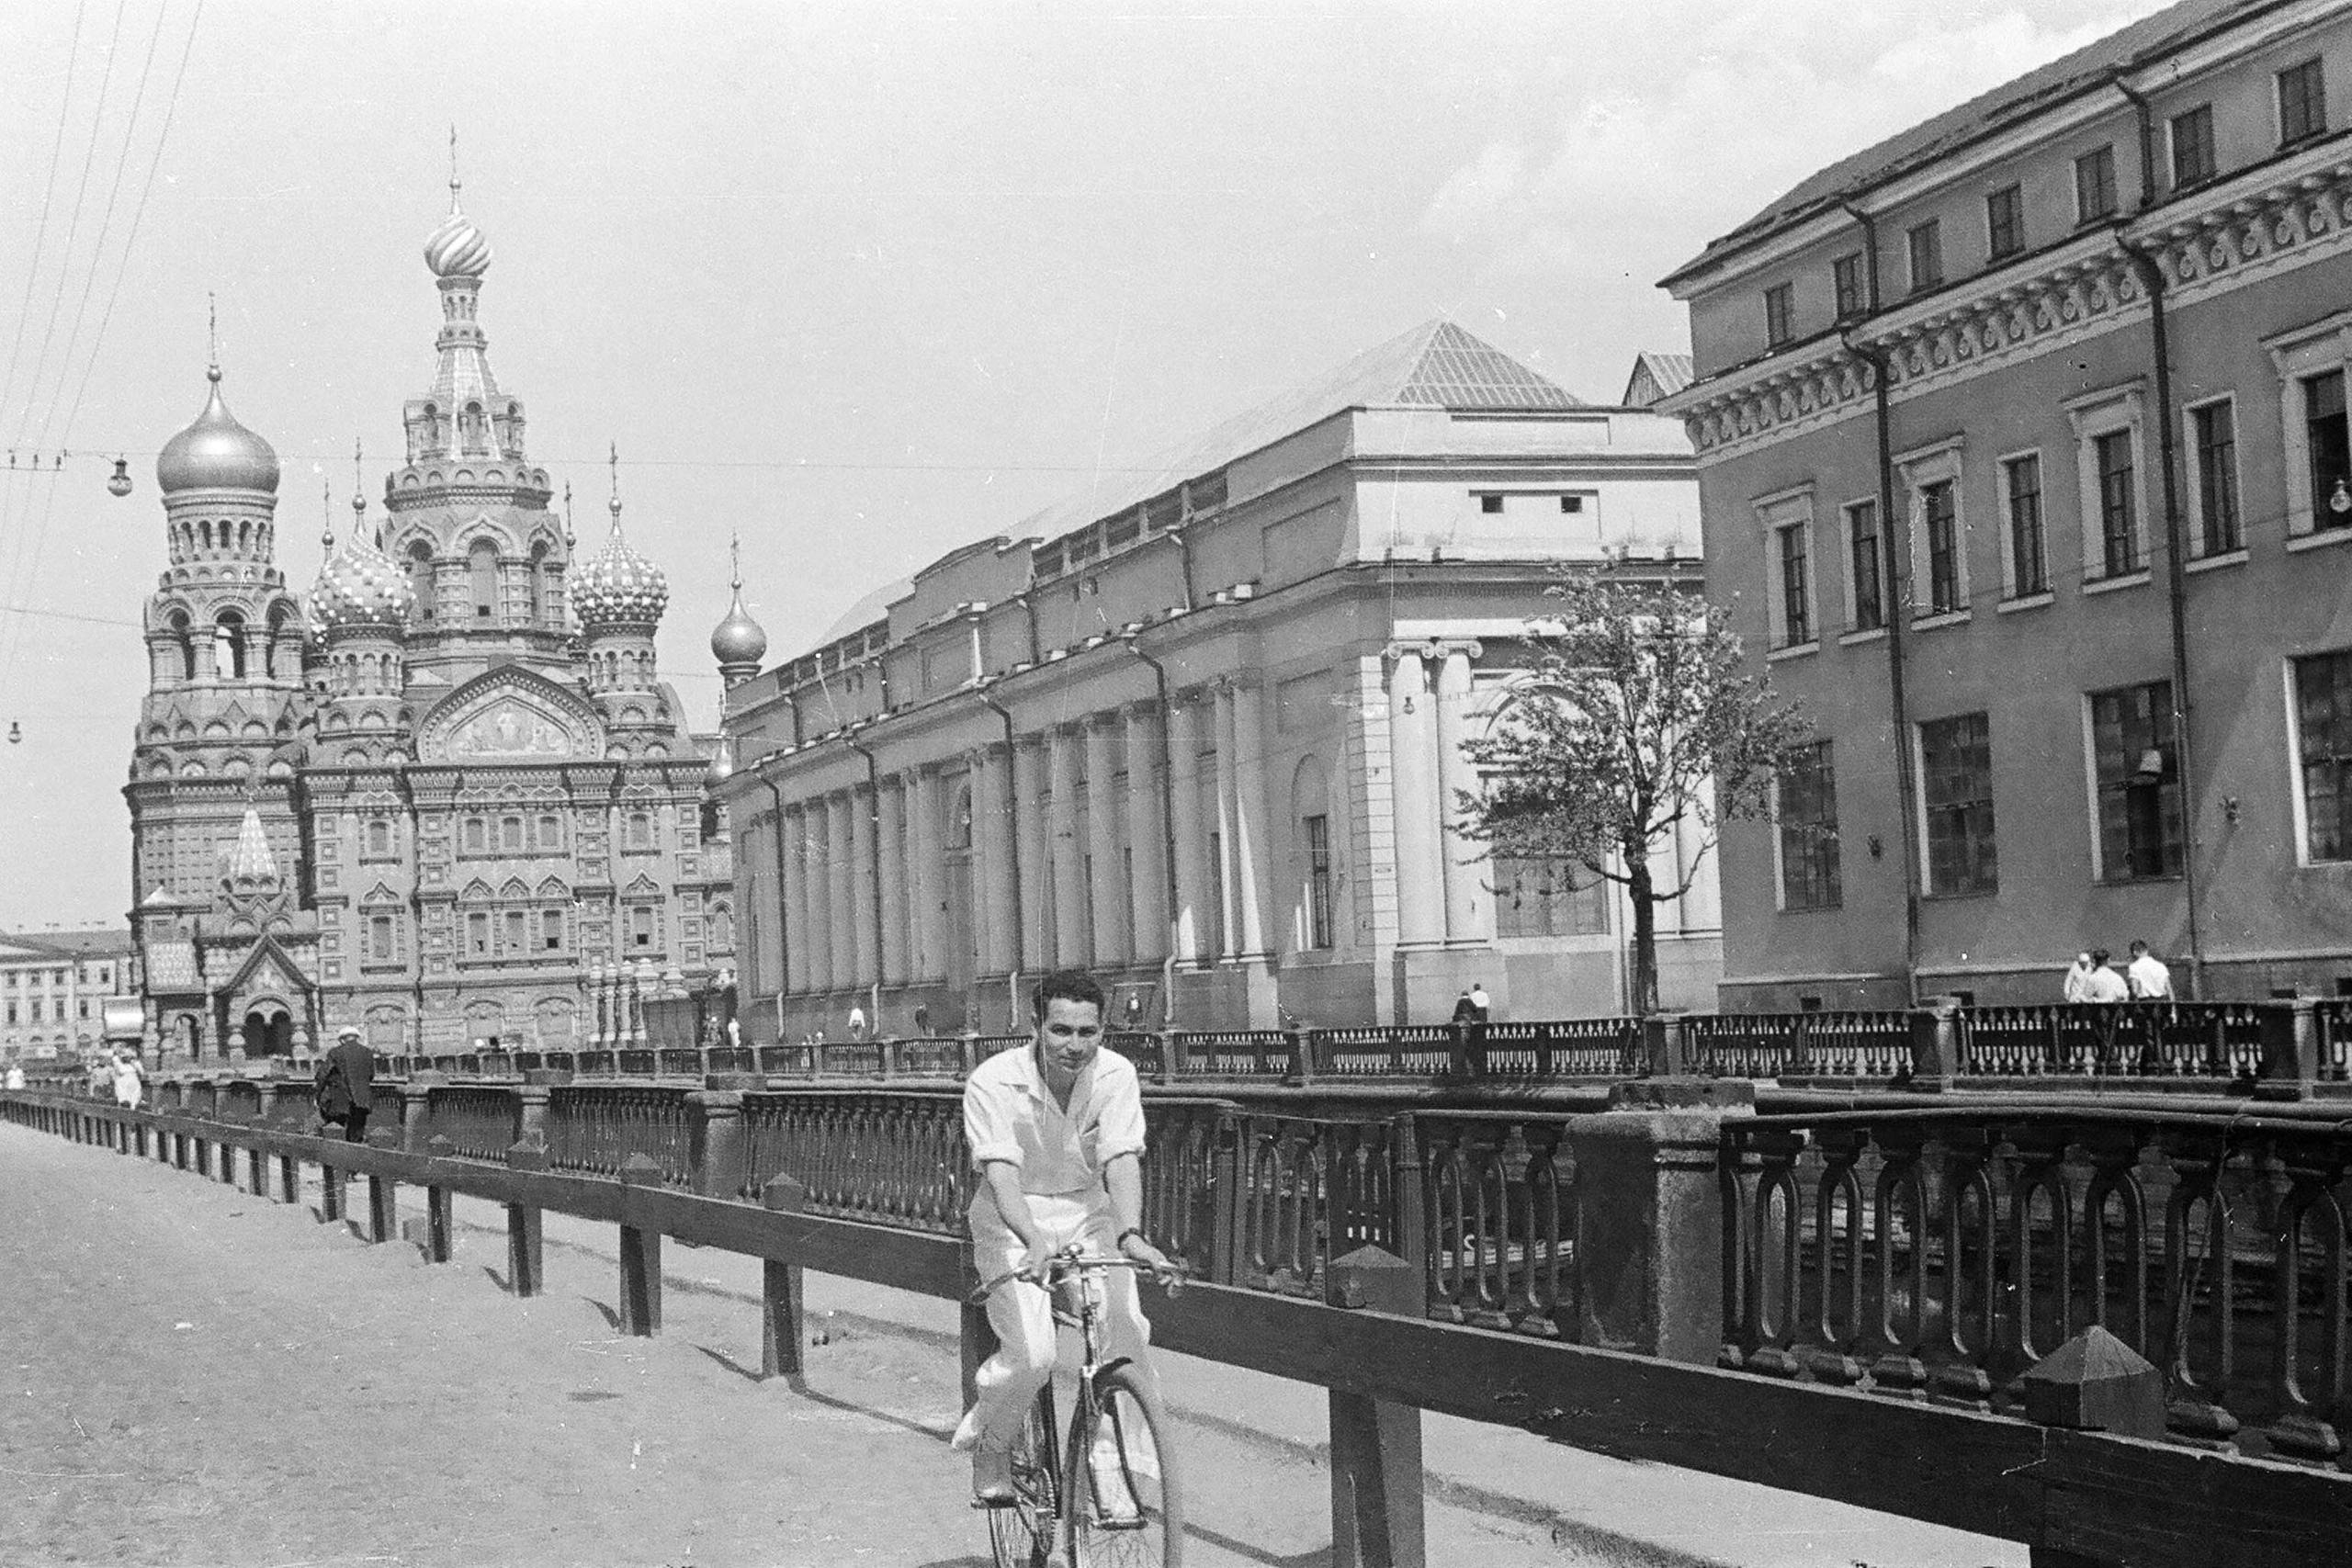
2078	979
1010	1115
2149	977
2105	986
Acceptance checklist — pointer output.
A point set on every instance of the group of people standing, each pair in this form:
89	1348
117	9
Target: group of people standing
2093	978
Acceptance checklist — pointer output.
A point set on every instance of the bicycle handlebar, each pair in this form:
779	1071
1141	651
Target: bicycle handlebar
1067	1263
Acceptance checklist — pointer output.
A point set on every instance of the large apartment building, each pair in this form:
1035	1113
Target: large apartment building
2025	465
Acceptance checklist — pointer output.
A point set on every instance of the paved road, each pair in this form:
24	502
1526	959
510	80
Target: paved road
204	1377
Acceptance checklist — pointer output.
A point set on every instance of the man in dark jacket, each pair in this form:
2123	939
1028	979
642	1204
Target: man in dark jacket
347	1084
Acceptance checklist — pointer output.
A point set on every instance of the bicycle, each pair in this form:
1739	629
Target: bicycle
1115	1501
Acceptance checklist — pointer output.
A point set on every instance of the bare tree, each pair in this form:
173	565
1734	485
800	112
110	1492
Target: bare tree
1637	717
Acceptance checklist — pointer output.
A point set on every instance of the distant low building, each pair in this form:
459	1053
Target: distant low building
54	988
1204	735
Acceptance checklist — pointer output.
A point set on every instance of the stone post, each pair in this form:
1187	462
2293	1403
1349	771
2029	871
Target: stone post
782	1331
641	1259
384	1191
714	1140
2290	1050
1376	1482
1935	1044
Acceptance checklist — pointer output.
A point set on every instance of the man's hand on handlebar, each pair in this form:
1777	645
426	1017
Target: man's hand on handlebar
1167	1270
1037	1263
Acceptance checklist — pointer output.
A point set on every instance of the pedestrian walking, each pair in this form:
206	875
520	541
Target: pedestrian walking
130	1085
346	1084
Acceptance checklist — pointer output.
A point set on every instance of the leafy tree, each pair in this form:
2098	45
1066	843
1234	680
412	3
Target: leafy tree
1638	715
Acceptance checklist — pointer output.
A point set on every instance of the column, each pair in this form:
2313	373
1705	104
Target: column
1243	806
1191	869
898	891
1469	905
1106	812
1069	883
1025	783
997	896
1412	748
805	872
840	906
1147	832
918	790
859	804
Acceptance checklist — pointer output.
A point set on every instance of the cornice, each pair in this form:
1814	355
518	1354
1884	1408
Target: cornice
2212	241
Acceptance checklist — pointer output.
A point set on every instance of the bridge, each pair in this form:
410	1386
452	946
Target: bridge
2097	1308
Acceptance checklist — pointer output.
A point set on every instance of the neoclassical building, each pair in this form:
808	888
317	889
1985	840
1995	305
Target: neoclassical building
2024	458
447	796
1204	735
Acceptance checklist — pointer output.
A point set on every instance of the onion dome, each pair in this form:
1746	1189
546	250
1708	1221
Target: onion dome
216	453
456	249
360	586
738	640
620	587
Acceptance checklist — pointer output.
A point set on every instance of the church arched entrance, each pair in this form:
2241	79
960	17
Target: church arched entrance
269	1031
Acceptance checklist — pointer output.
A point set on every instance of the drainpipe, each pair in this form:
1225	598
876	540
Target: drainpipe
1183	535
783	909
1895	537
2152	278
873	865
1020	925
1167	828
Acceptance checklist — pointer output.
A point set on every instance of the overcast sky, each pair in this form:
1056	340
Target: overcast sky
861	281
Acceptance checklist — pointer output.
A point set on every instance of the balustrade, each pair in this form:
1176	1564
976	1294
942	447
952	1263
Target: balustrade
595	1128
481	1122
887	1158
1404	1051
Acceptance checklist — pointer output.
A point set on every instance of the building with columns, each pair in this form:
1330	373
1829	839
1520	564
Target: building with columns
1202	736
446	796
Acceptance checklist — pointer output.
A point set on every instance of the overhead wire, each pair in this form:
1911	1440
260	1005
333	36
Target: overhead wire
39	531
41	232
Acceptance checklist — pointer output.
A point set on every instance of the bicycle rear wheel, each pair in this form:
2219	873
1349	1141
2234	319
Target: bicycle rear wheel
1126	1507
1021	1536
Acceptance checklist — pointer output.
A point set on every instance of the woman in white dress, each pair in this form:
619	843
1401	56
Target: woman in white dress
127	1084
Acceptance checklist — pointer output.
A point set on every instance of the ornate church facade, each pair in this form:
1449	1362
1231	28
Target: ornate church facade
446	796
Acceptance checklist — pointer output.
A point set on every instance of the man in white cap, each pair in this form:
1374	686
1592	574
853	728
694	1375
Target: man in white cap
346	1084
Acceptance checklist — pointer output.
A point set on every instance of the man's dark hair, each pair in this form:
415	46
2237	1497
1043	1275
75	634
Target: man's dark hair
2098	958
2138	948
1070	986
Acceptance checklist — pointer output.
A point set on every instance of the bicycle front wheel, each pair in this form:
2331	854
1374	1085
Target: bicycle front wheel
1122	1506
1021	1536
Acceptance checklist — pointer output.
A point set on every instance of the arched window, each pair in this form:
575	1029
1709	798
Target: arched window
1313	856
722	929
420	578
184	635
229	646
482	565
542	586
638	832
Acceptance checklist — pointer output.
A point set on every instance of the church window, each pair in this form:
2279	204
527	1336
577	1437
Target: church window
510	833
542	586
420	578
641	926
478	933
515	918
551	929
477	836
722	928
379	838
379	938
550	831
640	831
229	647
187	641
482	563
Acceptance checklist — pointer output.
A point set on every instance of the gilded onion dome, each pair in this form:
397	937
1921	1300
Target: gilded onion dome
216	453
738	640
618	587
456	249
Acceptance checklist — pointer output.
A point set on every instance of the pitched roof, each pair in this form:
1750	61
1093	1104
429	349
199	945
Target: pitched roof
1655	376
1436	364
2014	100
252	859
101	942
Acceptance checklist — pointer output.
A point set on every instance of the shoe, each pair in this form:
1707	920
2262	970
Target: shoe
993	1480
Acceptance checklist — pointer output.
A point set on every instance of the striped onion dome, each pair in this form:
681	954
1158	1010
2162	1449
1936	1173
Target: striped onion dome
618	587
359	586
456	249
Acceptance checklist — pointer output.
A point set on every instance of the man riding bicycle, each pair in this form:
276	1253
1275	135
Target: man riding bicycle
1056	1132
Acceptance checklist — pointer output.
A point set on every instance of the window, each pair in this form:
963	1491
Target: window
2330	442
550	832
1318	880
2324	740
379	839
2214	448
477	836
641	926
1796	602
1216	895
2138	777
2302	102
1869	574
1940	519
1490	505
2192	147
1956	789
1779	314
1806	812
1926	245
2095	186
510	833
640	832
2021	494
1571	503
1548	898
1846	274
515	923
420	578
478	933
2004	222
2118	529
482	570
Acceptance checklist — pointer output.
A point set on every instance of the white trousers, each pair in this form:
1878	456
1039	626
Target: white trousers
1022	1314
